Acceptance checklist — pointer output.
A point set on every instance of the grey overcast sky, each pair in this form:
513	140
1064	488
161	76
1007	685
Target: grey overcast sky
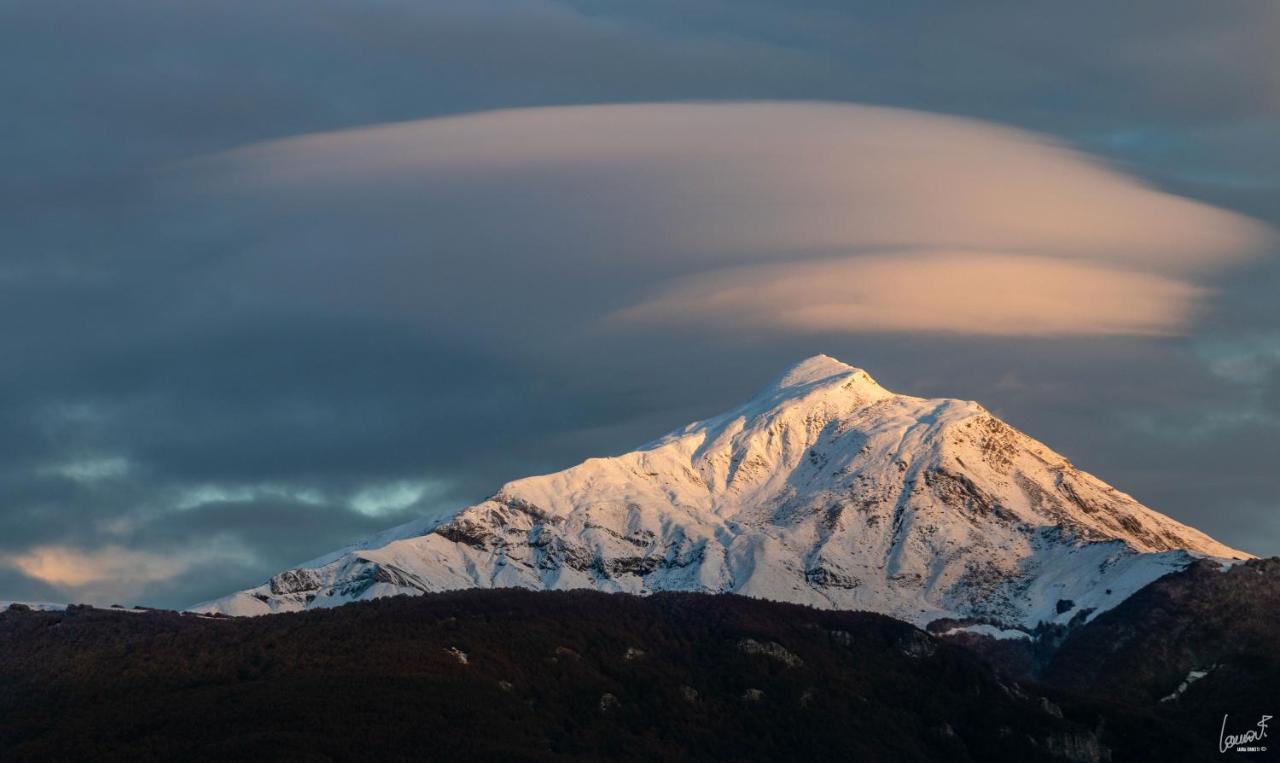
248	317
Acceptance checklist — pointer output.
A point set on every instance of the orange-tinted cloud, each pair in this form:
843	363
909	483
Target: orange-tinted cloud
845	218
70	567
953	292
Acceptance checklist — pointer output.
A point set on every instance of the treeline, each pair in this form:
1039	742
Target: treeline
515	675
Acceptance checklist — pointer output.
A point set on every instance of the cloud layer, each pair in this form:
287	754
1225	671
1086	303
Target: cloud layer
200	354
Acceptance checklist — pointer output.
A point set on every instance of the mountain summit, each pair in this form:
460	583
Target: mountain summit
824	488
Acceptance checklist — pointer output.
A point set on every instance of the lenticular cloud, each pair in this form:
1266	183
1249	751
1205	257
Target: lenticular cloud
953	292
790	217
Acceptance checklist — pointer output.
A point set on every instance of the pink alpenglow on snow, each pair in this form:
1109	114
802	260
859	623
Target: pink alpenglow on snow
824	489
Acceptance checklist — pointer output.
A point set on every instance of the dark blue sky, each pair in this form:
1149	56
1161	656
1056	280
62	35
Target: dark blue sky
215	365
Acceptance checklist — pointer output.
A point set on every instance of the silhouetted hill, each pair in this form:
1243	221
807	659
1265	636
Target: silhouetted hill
517	675
1224	626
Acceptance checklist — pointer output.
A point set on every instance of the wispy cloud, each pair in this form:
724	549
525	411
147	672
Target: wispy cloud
70	567
112	573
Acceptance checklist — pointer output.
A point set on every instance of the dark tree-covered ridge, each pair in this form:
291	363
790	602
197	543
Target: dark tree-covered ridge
517	675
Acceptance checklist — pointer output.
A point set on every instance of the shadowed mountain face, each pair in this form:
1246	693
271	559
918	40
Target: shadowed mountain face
518	675
1196	644
824	489
1199	647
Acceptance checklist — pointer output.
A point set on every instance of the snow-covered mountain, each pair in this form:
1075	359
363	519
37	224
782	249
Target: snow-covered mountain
824	489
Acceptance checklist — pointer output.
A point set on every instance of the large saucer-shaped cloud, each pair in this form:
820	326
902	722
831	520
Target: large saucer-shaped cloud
728	216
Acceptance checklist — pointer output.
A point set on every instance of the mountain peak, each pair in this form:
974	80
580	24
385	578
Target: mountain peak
819	369
813	369
825	489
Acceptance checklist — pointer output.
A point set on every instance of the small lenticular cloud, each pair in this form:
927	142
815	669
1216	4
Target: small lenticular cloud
945	292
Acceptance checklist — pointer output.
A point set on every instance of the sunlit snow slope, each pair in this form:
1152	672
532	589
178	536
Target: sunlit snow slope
824	489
